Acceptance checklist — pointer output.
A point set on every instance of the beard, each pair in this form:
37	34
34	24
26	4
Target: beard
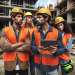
18	23
40	24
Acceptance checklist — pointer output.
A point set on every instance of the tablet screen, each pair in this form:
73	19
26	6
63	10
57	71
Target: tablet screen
47	43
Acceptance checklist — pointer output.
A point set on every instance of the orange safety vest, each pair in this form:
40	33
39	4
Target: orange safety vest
10	56
46	56
31	31
66	54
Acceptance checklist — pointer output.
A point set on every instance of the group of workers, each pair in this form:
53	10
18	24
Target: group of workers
21	44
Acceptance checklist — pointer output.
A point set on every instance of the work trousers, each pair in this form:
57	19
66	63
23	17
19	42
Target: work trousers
14	72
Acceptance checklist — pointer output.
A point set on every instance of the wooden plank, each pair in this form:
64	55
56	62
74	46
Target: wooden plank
19	5
73	52
14	4
72	18
1	13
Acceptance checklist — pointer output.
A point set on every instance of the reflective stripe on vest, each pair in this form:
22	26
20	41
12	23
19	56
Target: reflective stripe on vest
46	56
66	54
14	51
10	56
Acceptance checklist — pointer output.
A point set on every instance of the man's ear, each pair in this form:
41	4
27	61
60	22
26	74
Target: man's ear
46	19
12	18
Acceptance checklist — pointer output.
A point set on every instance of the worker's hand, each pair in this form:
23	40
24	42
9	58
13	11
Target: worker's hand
52	49
21	43
41	49
6	41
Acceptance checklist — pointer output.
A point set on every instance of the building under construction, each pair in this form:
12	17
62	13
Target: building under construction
7	5
53	14
66	9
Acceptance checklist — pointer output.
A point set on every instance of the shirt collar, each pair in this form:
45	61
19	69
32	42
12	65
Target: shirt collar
14	28
50	29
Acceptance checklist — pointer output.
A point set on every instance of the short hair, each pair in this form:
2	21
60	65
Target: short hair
13	15
45	16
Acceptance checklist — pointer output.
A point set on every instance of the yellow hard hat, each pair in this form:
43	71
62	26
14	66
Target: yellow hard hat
28	14
58	20
44	11
16	10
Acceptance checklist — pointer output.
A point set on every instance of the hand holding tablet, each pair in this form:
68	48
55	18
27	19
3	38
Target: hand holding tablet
50	45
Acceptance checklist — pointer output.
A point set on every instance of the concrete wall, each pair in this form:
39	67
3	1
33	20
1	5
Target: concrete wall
69	17
67	4
57	12
6	9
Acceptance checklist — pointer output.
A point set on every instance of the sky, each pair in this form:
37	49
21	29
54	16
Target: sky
46	3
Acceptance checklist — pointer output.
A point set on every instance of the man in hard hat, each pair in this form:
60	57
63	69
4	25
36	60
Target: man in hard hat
46	59
15	42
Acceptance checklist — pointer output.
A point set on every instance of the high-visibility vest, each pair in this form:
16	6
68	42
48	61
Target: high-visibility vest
31	31
10	56
46	56
66	54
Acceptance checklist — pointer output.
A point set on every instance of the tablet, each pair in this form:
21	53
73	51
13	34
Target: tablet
47	43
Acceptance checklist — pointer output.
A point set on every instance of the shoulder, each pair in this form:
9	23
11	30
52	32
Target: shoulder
68	34
54	29
36	30
33	28
55	32
7	28
24	28
4	30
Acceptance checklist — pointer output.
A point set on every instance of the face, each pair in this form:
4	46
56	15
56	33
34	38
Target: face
60	26
40	20
18	19
29	19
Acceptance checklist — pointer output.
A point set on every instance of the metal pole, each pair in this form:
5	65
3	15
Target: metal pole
9	2
29	3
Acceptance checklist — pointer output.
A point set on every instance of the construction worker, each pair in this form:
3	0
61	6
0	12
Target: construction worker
46	59
67	33
15	42
30	26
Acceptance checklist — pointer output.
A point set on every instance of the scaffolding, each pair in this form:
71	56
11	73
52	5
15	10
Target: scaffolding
7	5
19	3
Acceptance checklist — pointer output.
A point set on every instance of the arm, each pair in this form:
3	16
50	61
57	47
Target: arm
69	46
6	45
34	48
60	47
26	46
